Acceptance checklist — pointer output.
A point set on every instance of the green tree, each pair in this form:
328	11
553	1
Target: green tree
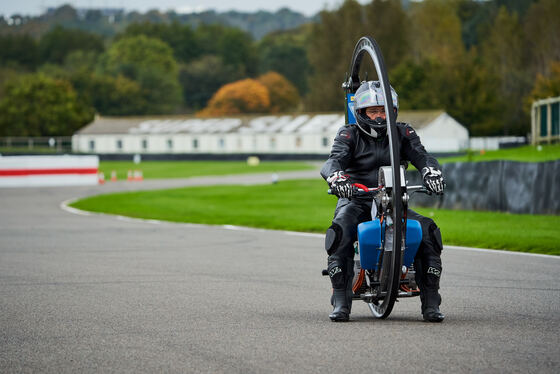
542	36
36	105
55	45
150	63
502	53
181	38
285	53
389	25
546	86
109	95
436	32
18	51
234	46
201	78
416	82
331	45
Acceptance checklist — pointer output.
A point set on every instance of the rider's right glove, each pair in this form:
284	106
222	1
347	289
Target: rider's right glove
433	180
340	184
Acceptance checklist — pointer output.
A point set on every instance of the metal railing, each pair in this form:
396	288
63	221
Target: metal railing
545	120
47	145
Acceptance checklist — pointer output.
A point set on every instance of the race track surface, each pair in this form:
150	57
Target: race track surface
95	293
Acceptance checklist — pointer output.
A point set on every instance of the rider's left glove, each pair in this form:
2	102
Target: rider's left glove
433	180
340	184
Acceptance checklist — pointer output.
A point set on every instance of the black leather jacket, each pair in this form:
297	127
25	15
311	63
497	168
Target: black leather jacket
360	155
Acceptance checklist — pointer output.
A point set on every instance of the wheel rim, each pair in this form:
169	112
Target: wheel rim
367	45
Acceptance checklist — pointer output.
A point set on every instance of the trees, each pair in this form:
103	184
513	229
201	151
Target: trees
436	32
286	54
284	96
542	37
502	56
389	24
55	45
244	96
546	86
201	78
181	38
150	63
235	47
270	93
36	105
331	44
18	51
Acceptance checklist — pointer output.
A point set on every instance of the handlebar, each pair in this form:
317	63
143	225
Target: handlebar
362	190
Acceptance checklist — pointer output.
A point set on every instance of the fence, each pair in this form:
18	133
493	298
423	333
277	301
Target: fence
545	120
496	142
506	186
39	145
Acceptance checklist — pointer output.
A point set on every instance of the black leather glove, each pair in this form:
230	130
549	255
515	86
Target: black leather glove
433	180
340	184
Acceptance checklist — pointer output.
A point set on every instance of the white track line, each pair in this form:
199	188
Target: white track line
486	250
64	206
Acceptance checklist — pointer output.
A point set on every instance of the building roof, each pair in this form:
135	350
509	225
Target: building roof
293	123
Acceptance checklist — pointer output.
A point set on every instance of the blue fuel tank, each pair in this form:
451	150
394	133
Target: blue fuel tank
370	238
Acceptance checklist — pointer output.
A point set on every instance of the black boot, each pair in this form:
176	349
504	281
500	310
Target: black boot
341	311
341	298
430	306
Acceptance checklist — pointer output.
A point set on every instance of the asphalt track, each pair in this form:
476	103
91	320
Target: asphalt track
98	293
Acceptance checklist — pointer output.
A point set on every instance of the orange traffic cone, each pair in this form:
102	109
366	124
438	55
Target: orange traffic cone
129	175
113	176
101	178
138	175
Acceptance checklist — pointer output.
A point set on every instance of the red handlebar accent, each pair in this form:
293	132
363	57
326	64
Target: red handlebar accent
360	186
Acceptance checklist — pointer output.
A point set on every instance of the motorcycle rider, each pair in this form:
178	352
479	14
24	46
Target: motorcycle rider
356	155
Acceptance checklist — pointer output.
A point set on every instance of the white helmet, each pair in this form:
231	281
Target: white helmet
371	94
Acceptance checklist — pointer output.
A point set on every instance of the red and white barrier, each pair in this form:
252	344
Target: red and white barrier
28	171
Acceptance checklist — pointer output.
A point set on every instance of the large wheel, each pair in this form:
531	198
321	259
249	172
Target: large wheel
391	264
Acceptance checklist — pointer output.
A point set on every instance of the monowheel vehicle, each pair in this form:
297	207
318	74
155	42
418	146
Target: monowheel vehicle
388	243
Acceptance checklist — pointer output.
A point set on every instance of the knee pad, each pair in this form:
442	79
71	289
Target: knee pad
332	238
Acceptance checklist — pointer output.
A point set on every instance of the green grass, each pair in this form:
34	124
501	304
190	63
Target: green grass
303	205
527	153
187	169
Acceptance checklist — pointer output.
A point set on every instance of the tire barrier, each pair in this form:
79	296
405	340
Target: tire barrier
506	186
31	171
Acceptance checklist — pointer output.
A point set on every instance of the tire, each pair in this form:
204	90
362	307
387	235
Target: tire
391	263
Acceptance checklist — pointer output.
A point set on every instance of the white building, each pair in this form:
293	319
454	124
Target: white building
297	133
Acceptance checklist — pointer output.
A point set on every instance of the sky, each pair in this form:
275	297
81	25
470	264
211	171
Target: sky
36	7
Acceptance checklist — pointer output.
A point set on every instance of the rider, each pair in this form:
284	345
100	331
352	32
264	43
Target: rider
356	155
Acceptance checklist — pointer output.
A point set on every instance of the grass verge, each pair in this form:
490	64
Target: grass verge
527	153
303	205
187	169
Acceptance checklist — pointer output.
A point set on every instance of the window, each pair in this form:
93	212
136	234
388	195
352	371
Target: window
272	143
169	144
195	143
144	144
325	141
221	143
119	145
298	142
92	145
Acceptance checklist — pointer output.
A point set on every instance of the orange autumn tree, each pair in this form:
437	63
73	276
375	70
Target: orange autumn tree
284	96
244	96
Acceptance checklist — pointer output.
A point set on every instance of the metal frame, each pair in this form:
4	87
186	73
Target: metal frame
536	136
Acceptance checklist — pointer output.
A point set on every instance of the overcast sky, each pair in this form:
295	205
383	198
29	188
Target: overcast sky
35	7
